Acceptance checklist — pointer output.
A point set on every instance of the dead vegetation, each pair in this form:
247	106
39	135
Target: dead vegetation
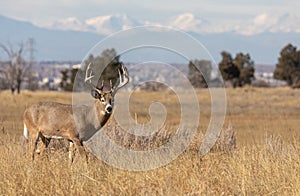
263	143
226	141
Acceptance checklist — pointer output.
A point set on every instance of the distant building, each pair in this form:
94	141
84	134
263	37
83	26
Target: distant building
264	77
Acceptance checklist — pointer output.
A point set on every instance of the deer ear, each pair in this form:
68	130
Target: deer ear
95	94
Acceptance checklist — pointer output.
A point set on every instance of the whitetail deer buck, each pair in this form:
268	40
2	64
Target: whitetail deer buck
47	120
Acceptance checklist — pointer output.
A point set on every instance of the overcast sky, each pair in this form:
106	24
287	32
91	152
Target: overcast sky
219	12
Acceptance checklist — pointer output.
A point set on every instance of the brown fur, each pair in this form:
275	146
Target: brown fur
48	119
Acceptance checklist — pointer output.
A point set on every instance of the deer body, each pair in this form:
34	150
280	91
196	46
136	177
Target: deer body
50	119
47	120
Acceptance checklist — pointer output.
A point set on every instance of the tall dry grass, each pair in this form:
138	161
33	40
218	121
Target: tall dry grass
266	160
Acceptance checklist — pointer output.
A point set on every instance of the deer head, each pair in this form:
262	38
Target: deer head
105	98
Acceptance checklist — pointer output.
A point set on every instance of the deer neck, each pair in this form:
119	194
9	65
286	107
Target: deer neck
102	115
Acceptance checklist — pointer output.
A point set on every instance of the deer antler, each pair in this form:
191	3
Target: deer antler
123	78
89	75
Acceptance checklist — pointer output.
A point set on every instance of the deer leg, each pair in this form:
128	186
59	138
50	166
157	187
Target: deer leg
46	142
71	151
79	147
34	144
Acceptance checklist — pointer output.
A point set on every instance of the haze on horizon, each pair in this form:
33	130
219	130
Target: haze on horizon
234	26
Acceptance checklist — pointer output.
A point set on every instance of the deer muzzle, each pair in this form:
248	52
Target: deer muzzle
108	109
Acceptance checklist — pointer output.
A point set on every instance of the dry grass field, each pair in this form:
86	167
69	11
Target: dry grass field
266	160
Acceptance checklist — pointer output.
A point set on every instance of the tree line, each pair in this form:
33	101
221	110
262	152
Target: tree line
236	71
288	66
239	71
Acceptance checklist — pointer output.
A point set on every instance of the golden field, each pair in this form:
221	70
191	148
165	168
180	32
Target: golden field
266	160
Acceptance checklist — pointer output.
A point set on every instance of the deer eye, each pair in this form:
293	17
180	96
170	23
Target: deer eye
95	94
102	100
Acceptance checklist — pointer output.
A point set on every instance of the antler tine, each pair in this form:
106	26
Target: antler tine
102	85
89	75
111	85
123	78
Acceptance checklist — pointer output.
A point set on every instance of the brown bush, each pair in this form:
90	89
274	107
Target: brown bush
226	141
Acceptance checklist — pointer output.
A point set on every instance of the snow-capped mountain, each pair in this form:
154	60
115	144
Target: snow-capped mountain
108	24
188	22
104	25
70	39
265	22
111	23
71	23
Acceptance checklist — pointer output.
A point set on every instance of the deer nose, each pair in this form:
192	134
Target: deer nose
108	109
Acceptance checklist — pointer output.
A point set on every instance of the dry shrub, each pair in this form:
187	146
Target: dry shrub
117	134
276	146
226	141
135	142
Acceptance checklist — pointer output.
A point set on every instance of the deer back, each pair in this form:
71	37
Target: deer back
49	118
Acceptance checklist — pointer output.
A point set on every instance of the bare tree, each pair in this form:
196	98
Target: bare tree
15	68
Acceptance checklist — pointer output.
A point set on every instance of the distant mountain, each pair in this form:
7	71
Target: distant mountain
55	44
102	24
261	23
111	23
263	47
50	44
